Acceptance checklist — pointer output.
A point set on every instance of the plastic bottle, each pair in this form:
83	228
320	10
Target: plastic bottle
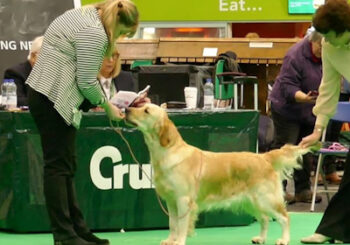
11	95
4	87
208	94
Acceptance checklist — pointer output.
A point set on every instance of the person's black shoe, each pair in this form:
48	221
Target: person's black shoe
92	238
306	196
289	198
74	241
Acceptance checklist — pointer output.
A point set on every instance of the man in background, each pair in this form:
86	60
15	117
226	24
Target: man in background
21	71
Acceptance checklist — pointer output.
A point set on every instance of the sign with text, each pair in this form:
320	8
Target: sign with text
215	10
22	21
303	6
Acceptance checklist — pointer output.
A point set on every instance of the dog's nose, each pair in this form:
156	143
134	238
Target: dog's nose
127	110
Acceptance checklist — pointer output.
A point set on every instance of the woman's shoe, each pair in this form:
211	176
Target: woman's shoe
306	197
289	198
317	239
92	238
333	178
74	241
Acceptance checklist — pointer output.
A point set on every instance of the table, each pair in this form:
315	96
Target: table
112	192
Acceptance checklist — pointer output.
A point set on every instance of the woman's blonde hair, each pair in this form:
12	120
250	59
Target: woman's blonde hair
114	12
118	65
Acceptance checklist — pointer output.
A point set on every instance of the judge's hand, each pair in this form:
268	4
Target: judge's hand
113	112
311	139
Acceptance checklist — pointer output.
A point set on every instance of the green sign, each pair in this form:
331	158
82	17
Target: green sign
215	10
113	193
303	6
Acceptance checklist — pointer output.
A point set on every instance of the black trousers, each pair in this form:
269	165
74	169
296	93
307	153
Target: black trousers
335	222
292	132
58	144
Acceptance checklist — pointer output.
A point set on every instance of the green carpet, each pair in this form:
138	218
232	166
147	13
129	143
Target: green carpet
302	224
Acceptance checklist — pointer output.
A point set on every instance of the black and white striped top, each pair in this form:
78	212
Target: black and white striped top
71	56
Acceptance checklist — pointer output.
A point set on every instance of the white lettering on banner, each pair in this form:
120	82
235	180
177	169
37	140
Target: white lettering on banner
236	5
137	179
8	45
223	5
13	45
106	151
25	45
134	175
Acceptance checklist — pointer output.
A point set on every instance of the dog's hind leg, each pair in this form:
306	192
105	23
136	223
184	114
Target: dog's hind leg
173	226
256	206
264	224
273	206
281	215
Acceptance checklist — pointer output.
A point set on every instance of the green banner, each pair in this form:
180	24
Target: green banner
215	10
113	193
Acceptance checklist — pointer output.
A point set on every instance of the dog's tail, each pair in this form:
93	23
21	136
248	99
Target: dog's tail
288	157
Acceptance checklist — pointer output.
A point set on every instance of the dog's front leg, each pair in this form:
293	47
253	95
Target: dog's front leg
173	232
264	223
184	211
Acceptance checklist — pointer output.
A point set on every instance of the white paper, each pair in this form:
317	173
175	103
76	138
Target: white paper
124	99
210	52
260	45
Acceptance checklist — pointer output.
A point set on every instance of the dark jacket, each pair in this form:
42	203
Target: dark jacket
124	81
300	70
20	74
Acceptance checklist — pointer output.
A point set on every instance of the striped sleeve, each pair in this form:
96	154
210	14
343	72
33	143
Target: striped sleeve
90	48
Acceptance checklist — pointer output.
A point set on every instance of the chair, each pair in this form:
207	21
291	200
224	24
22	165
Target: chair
222	91
342	115
241	81
238	79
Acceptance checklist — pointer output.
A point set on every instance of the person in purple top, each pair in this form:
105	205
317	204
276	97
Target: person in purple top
292	98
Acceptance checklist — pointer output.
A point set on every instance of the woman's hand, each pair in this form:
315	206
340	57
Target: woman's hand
97	109
311	139
113	112
309	98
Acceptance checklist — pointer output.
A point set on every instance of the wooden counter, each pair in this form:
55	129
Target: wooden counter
261	57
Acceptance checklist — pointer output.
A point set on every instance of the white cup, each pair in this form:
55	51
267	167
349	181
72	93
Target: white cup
191	97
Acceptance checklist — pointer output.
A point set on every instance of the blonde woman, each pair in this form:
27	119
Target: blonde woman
65	75
110	69
113	79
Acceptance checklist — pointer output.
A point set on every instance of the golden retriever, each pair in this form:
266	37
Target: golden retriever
191	180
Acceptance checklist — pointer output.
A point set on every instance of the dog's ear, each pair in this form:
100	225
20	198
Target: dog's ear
163	105
164	138
166	133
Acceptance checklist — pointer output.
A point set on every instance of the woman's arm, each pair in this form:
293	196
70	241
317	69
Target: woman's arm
327	100
90	48
329	90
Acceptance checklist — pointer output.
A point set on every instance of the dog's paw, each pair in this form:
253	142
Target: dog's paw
282	242
170	242
258	240
166	242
